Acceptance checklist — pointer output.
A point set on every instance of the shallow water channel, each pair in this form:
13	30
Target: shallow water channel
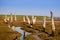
20	31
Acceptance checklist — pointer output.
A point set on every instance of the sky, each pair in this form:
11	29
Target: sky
30	7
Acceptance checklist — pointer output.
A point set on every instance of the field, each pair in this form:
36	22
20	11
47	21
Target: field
37	28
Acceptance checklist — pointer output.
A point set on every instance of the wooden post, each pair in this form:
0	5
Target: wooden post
11	17
5	19
44	22
33	19
8	18
24	19
28	19
53	25
15	18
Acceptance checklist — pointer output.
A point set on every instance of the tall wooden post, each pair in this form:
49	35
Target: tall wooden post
28	19
44	22
8	18
5	19
15	18
52	18
11	18
33	19
53	25
24	19
8	22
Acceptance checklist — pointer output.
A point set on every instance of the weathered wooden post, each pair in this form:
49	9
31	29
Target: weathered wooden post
15	18
33	19
44	24
24	19
11	18
28	19
5	20
52	18
53	25
8	22
8	18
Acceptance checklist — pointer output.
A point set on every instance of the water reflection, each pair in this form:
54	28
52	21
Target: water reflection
20	31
